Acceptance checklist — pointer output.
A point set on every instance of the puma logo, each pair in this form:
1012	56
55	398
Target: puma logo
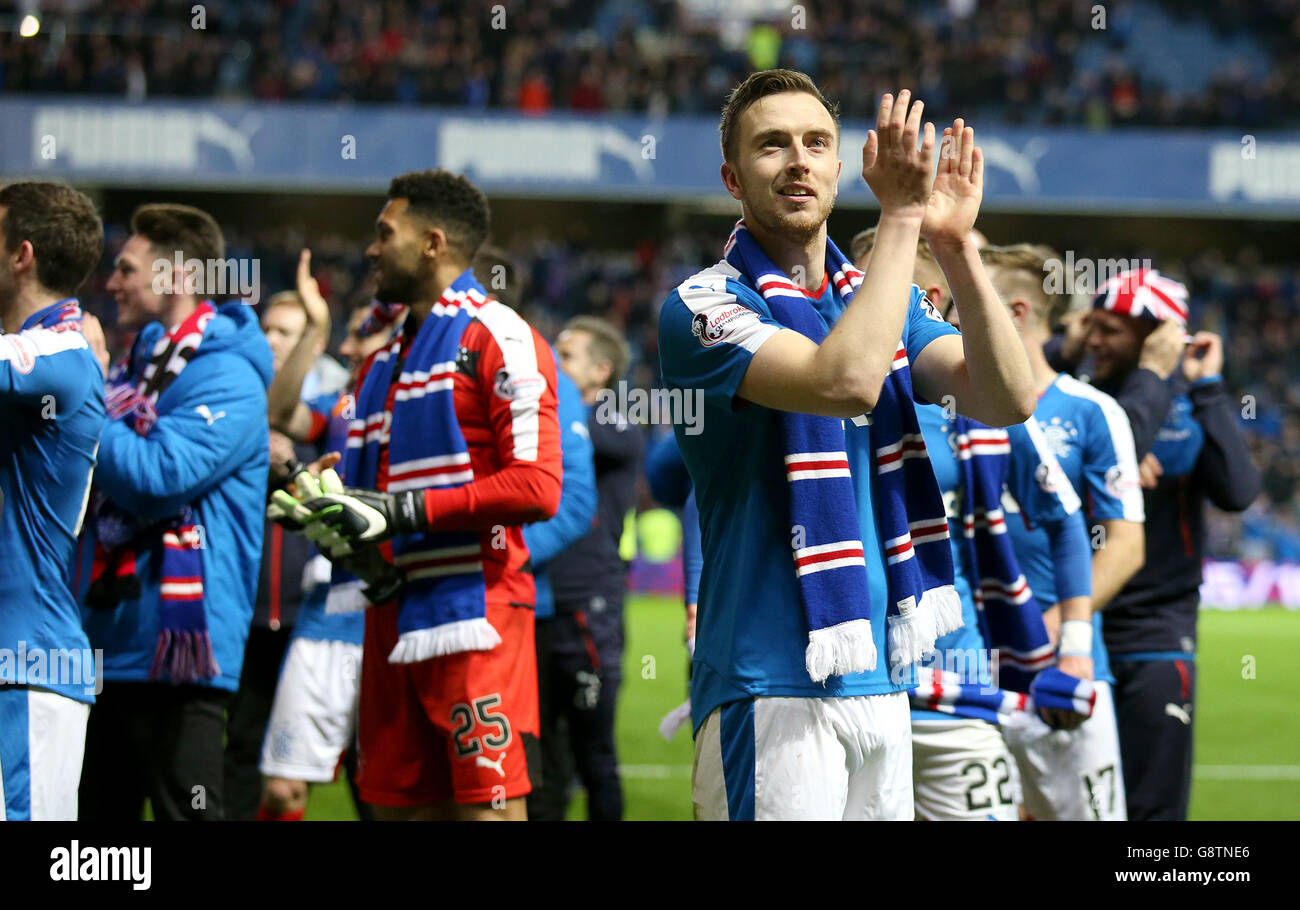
485	762
206	414
1184	713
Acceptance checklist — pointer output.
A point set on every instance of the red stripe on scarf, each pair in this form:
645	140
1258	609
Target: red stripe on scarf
802	561
816	465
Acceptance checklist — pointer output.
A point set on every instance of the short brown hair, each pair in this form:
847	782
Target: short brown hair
607	343
865	241
62	226
760	85
1027	267
925	271
449	201
171	227
291	298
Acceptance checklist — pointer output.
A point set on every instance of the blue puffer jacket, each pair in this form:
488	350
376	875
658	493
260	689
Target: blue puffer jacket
209	450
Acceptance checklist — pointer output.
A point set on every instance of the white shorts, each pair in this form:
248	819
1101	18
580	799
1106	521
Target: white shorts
42	741
828	759
962	771
314	716
1070	775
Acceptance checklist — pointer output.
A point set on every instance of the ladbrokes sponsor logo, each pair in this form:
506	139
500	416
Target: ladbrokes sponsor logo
18	351
515	387
717	324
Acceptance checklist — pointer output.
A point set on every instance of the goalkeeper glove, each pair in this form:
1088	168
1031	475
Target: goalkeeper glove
287	510
290	512
351	516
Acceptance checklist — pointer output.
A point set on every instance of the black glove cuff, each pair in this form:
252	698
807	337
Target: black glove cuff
410	516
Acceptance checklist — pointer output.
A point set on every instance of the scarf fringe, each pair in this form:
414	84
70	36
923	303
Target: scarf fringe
345	598
944	605
187	657
674	720
451	638
911	636
840	649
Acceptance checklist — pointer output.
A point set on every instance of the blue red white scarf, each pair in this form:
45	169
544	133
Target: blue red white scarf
831	566
1010	618
443	608
62	316
382	316
184	646
944	691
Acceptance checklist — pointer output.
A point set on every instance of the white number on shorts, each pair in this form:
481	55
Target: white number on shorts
987	802
463	720
1094	784
1004	796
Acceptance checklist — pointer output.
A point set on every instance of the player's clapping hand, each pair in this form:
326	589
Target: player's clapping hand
1203	357
898	172
958	187
318	311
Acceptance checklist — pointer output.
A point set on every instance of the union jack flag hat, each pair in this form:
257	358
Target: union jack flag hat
1144	292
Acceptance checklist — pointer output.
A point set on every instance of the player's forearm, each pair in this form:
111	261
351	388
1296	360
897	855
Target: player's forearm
1076	608
521	493
858	353
1001	384
1120	556
284	395
1225	469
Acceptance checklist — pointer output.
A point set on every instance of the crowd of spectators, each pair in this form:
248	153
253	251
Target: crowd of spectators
1013	60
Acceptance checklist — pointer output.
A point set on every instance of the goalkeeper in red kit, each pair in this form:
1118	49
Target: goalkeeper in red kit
455	445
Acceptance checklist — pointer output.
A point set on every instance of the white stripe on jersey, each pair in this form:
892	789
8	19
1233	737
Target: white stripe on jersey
706	296
1056	479
519	354
1121	437
22	348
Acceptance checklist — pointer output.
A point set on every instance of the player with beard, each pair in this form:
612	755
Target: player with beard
824	537
1077	774
455	445
1197	453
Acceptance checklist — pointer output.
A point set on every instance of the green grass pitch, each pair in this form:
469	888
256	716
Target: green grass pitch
1247	757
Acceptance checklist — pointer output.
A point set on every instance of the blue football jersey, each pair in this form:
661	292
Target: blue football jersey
1089	434
1034	487
313	622
752	631
52	412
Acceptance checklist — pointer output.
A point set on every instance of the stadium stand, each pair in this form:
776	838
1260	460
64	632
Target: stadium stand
1050	62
